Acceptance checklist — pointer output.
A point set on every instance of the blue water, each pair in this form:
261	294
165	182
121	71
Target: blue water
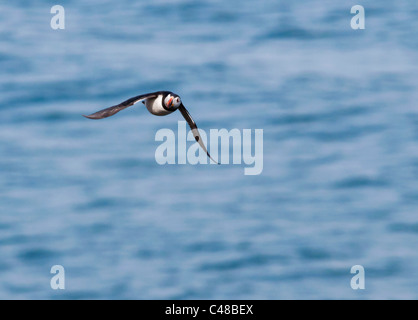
339	188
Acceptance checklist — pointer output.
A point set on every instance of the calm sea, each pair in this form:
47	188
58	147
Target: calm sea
340	117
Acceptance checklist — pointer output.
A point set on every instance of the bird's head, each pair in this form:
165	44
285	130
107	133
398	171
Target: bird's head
172	101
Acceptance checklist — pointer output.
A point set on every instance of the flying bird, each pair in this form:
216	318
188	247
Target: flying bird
160	103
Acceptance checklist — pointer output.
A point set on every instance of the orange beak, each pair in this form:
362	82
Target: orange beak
170	102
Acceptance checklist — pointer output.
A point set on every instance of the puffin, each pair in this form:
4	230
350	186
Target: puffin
160	103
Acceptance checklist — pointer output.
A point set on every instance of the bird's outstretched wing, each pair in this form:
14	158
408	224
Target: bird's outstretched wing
115	109
195	131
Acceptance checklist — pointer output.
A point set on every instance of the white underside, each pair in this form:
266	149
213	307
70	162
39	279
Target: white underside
155	106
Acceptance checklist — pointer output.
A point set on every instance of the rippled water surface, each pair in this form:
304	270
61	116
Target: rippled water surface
339	188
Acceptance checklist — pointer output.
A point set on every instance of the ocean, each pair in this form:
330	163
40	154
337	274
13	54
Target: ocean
337	106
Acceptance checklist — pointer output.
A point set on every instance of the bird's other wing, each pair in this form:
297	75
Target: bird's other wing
115	109
195	131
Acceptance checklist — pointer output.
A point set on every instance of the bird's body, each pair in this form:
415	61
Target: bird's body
155	106
160	103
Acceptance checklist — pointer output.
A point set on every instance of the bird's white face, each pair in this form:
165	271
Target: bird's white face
172	101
